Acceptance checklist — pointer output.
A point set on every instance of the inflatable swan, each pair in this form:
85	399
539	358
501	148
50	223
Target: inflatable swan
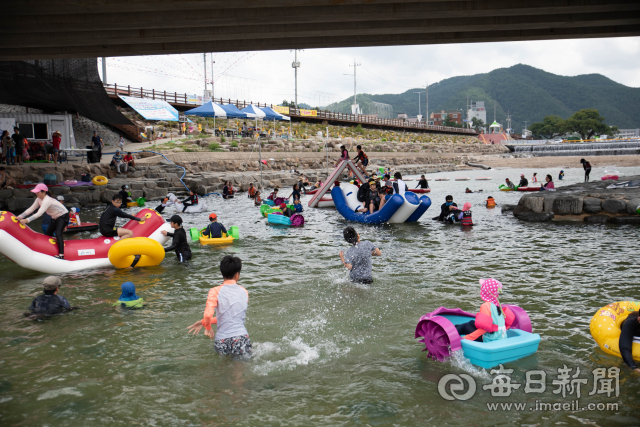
200	207
36	251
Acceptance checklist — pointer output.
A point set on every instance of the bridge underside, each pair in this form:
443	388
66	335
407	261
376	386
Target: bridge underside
55	29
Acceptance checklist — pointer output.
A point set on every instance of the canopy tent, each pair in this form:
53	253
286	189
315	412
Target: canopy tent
233	112
252	109
271	114
207	110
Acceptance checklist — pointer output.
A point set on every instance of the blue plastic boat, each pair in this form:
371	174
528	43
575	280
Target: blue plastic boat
276	219
441	338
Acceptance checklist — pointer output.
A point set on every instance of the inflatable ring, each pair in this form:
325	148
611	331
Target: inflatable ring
70	182
136	252
132	204
100	180
605	327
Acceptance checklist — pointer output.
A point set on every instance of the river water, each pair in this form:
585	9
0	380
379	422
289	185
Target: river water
327	352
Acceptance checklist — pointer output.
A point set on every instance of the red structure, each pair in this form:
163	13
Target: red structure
439	118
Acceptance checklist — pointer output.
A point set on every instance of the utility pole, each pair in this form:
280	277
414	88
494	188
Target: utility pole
419	113
104	70
295	66
212	88
427	112
355	96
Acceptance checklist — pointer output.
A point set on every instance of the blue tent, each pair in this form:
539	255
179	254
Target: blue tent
271	114
207	110
257	112
233	112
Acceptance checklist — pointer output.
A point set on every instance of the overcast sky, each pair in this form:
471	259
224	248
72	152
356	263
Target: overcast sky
268	76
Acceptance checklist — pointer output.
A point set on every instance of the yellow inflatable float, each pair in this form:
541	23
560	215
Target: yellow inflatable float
226	239
136	252
605	327
100	180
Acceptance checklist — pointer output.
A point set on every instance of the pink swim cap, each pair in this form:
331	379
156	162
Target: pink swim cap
489	290
466	206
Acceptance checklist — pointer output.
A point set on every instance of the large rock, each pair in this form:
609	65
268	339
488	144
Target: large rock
150	184
535	216
614	206
529	204
154	193
591	205
567	205
107	195
508	208
137	185
18	204
22	192
632	206
6	194
58	191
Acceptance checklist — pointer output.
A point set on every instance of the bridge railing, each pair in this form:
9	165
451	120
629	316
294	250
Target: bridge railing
185	99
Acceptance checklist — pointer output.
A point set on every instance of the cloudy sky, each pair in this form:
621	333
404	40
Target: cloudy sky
326	75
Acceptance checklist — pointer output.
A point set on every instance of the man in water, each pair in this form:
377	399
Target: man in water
510	184
423	182
524	182
446	208
630	329
357	259
180	243
50	303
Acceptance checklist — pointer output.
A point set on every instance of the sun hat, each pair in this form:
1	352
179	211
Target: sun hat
489	290
39	188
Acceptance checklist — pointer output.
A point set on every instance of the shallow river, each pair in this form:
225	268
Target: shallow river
327	352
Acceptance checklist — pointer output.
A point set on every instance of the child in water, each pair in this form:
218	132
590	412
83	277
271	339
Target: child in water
297	206
357	259
214	230
492	322
560	175
180	243
229	302
464	215
257	200
128	298
491	202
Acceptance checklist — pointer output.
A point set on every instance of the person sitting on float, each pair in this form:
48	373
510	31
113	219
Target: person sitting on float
629	330
492	322
128	298
125	194
192	200
274	194
214	230
549	184
297	206
286	211
107	223
74	218
510	184
374	201
523	181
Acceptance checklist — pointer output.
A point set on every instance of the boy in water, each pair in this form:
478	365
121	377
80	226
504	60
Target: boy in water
358	257
180	243
229	302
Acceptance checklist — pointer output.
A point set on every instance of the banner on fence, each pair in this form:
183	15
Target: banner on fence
152	109
280	109
312	113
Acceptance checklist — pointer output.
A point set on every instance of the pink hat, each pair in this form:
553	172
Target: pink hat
489	290
39	188
466	206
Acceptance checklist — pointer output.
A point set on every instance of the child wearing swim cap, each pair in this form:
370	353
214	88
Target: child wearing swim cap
128	298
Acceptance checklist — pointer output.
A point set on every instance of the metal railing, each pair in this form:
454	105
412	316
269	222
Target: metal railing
185	99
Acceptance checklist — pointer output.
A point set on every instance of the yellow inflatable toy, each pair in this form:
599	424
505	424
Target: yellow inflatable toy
100	180
226	239
605	327
136	252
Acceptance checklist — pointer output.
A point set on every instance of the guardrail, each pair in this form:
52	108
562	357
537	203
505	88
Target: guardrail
568	141
184	100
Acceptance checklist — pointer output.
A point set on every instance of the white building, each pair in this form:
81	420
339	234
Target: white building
628	133
478	111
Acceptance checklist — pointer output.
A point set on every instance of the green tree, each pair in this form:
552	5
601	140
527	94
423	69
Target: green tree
451	123
549	128
285	103
477	124
588	123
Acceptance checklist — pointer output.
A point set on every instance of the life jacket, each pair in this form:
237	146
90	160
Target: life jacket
466	218
363	192
195	199
534	179
258	200
252	191
496	325
491	203
74	219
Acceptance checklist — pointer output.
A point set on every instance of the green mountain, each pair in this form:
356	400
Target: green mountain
527	93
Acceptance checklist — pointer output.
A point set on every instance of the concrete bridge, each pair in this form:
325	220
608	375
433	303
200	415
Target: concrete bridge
53	29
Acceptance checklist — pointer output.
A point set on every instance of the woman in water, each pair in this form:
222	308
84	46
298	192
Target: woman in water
549	185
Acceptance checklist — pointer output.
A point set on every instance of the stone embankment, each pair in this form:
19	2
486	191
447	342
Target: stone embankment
591	202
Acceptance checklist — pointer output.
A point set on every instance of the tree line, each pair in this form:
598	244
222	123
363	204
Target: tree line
586	123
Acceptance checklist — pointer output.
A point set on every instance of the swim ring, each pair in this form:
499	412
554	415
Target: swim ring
605	327
125	253
70	182
100	180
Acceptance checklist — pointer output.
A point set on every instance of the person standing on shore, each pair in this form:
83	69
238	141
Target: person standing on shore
18	140
587	169
96	142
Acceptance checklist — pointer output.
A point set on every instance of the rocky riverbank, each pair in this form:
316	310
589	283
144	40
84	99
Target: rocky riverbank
591	202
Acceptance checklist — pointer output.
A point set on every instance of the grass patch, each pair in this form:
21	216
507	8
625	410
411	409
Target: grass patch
234	143
214	146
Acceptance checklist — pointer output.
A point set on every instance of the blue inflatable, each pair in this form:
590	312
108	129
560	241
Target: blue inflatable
276	219
379	217
425	203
